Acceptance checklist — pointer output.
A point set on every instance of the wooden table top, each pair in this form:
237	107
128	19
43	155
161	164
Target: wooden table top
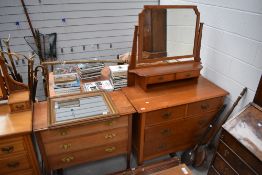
15	123
122	104
172	94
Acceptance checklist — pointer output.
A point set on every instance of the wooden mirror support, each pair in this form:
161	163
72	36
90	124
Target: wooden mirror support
19	93
147	69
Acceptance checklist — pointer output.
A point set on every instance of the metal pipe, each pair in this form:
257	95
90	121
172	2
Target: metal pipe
81	61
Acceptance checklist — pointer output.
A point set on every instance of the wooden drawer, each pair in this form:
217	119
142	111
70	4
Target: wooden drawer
68	132
84	142
204	106
11	146
14	163
222	167
241	151
235	162
97	153
183	129
212	171
188	74
160	78
164	115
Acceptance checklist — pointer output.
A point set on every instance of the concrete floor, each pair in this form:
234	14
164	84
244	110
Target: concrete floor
116	164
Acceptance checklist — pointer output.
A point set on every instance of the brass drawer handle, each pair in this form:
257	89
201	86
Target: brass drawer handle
110	149
110	136
8	149
13	164
204	106
66	146
166	132
63	132
67	159
167	115
109	123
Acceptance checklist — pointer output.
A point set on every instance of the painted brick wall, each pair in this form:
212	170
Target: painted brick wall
109	23
232	44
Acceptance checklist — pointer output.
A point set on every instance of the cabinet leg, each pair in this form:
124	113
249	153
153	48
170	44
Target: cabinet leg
128	161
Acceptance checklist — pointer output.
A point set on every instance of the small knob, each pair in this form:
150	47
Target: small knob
63	132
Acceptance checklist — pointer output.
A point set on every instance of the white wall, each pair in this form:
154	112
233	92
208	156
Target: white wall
231	45
87	23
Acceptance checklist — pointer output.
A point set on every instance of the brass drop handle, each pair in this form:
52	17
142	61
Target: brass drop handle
8	149
110	149
167	115
13	164
66	146
63	132
204	106
165	132
110	136
68	159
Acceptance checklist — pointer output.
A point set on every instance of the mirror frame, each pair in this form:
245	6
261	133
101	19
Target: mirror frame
141	34
51	110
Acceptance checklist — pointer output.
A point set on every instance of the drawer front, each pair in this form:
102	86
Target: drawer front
212	171
68	132
234	160
160	78
188	74
222	167
11	146
241	151
84	142
164	115
204	106
14	163
165	146
97	153
183	129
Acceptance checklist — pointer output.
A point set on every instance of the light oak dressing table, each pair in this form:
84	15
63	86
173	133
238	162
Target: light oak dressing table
79	143
174	103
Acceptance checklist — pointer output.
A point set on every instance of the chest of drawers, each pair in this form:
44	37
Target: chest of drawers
240	150
17	156
80	143
172	118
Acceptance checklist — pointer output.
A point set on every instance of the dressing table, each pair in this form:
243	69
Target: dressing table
64	144
174	103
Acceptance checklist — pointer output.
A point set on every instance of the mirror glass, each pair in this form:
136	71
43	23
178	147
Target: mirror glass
168	32
76	107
